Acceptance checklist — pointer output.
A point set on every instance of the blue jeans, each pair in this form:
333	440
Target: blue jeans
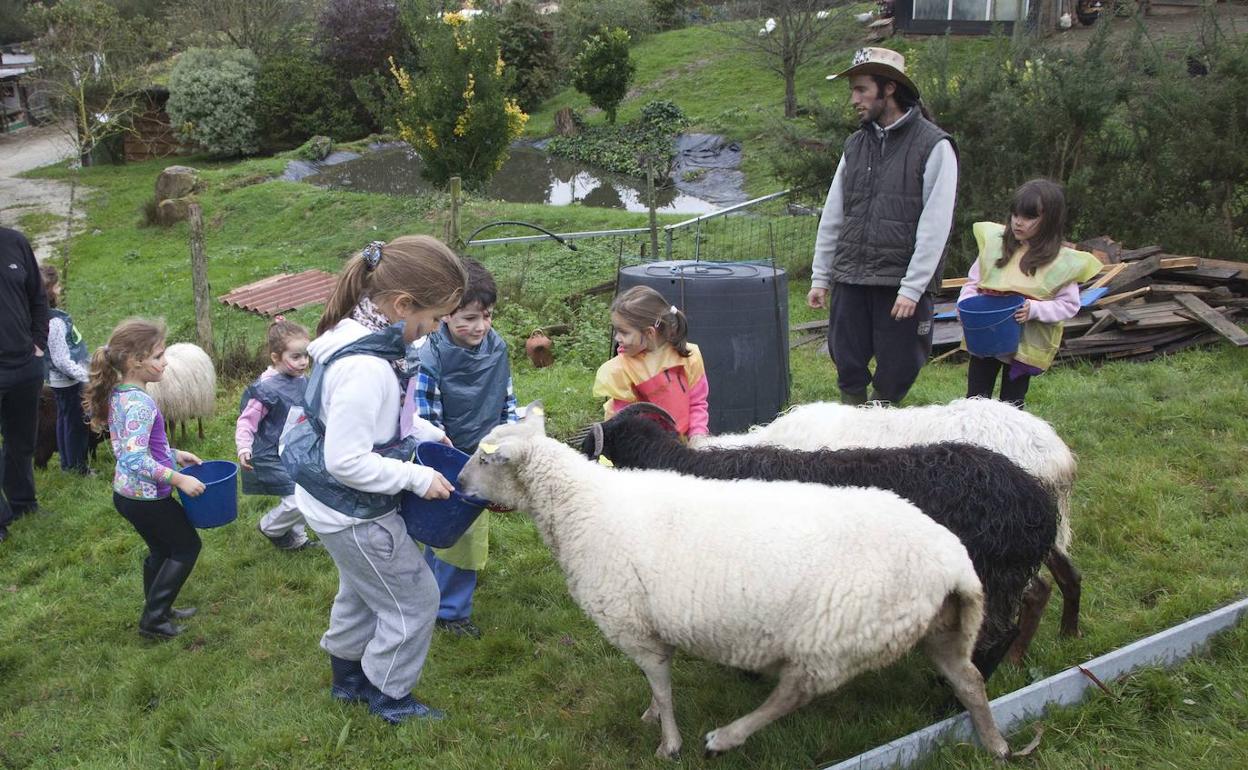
71	428
455	585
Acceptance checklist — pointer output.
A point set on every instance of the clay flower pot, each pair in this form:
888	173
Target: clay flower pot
538	349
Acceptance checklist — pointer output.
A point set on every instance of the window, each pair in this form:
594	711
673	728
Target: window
971	10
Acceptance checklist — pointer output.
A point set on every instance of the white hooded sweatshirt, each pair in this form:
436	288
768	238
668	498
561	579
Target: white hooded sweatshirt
360	408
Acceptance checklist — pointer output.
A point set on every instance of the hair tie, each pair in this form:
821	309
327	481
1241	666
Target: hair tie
372	254
105	349
279	319
673	310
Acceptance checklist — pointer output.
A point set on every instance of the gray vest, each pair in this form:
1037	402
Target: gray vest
304	452
882	188
473	384
278	394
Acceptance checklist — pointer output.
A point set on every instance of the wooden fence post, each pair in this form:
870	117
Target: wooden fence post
199	279
457	242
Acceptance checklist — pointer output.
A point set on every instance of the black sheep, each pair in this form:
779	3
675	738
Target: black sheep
1004	517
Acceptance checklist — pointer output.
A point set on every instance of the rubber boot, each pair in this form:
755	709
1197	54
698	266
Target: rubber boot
166	584
149	573
399	710
350	684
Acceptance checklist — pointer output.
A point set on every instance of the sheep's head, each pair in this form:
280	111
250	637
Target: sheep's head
631	430
490	473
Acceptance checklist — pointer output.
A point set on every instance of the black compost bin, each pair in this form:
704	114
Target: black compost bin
739	318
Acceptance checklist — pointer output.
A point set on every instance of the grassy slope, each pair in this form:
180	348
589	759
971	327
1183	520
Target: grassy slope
1159	534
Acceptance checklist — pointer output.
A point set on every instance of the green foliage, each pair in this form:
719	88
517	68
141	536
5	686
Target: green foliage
579	20
604	70
299	96
212	100
527	47
14	27
456	114
668	14
628	148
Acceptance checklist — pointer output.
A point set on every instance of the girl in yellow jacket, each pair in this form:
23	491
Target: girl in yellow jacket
1027	257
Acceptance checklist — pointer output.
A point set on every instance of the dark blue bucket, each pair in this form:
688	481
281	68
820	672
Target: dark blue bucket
988	324
440	523
217	505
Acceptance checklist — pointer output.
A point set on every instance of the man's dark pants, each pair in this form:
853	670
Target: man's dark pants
19	423
861	327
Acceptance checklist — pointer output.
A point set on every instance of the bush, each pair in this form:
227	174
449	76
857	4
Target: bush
626	149
458	116
526	42
668	14
212	100
578	20
604	70
298	96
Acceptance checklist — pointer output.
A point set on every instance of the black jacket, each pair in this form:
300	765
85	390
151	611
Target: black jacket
23	304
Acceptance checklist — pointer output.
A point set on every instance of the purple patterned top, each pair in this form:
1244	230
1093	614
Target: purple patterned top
137	433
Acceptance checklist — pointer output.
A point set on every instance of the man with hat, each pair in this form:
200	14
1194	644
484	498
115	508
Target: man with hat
882	235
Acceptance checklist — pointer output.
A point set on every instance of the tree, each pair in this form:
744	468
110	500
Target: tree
458	116
359	36
526	42
604	70
90	66
262	26
792	32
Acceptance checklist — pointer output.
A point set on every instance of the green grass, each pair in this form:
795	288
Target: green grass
1158	521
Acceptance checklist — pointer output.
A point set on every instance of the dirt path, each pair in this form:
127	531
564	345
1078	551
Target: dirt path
1165	22
23	151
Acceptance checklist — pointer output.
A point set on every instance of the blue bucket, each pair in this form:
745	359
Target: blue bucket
440	523
217	505
988	324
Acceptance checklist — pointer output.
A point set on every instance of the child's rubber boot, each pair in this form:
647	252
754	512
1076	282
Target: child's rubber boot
149	574
350	685
166	583
399	710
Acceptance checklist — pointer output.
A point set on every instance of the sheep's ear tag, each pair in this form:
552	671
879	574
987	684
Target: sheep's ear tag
488	449
605	461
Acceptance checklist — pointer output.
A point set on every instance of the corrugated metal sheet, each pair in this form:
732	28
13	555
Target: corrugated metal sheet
280	293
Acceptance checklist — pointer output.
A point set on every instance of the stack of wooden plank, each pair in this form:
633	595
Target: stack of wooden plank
1144	303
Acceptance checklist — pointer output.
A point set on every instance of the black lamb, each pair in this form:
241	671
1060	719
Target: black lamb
1006	519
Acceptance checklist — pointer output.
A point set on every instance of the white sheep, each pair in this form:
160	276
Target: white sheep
188	388
1023	437
808	583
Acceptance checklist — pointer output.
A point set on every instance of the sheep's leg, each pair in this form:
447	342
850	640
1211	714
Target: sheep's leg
199	422
1035	599
949	649
986	659
1070	583
791	693
656	663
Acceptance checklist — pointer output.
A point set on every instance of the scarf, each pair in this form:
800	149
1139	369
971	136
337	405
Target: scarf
368	315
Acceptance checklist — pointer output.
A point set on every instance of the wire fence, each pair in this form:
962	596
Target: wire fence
532	269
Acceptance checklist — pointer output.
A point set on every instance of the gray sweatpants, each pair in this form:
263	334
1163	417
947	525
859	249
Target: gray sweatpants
386	605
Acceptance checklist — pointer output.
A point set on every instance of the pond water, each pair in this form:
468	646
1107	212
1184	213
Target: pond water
529	176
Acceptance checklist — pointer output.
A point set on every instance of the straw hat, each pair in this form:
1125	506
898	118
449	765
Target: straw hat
878	61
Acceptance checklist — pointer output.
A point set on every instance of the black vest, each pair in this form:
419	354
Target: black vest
882	189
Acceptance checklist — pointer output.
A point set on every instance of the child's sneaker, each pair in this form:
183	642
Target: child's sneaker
460	627
399	710
290	540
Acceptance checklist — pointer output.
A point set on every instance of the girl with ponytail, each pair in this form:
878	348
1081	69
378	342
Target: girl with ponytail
146	470
349	462
655	362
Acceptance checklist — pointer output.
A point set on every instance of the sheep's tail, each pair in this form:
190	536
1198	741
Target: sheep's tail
1061	482
971	606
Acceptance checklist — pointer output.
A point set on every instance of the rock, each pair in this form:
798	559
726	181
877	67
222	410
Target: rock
176	182
172	210
565	123
317	148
